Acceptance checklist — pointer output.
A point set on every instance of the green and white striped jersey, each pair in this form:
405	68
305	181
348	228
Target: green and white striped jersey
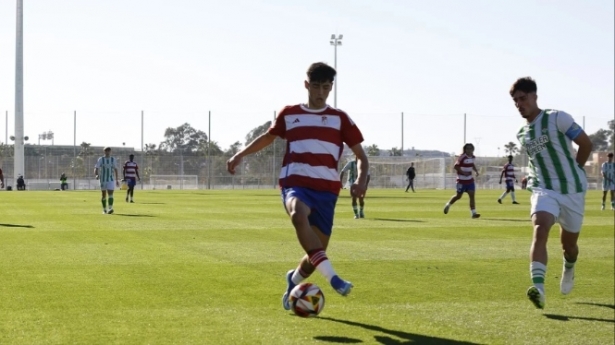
105	167
548	142
608	171
351	167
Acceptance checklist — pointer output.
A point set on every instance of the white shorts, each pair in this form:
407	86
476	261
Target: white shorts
607	185
568	209
110	185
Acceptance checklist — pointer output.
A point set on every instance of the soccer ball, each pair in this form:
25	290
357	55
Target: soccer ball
307	300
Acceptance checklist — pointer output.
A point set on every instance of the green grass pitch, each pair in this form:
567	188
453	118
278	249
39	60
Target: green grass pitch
207	267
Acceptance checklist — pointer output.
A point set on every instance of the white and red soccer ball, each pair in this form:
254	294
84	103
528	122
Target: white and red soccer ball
307	300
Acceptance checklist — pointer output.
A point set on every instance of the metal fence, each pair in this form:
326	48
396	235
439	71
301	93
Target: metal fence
195	171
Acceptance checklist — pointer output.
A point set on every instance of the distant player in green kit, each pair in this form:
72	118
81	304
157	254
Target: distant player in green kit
351	167
106	171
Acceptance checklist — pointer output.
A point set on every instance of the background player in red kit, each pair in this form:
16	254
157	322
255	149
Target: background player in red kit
465	181
508	171
315	135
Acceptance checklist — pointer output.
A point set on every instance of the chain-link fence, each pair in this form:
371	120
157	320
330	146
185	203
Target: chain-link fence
195	171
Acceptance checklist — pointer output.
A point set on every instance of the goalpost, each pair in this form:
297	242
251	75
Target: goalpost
174	182
390	172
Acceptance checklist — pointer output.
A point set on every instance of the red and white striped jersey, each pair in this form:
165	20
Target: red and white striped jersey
509	170
314	143
465	164
130	169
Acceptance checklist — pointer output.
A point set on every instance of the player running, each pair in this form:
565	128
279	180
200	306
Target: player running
315	134
509	171
608	180
130	172
105	171
351	167
557	181
465	181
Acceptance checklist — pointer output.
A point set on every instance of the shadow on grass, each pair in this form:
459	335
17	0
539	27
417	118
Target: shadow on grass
340	340
610	306
398	220
509	220
406	338
17	226
134	215
152	203
568	318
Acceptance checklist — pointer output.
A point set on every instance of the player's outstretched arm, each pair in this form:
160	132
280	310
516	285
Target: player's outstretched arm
258	144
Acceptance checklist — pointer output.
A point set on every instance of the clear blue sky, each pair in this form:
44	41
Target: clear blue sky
244	59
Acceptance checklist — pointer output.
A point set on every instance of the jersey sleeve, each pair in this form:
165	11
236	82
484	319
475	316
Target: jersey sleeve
603	167
565	124
351	135
98	163
459	160
278	127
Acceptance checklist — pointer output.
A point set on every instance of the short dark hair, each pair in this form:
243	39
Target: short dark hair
466	145
509	156
525	84
131	155
610	154
320	72
107	148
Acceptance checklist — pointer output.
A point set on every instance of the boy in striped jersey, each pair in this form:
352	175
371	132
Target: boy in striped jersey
508	171
608	180
105	171
315	135
557	181
130	171
465	181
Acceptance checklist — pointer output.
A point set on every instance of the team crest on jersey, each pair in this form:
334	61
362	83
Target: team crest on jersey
324	120
545	131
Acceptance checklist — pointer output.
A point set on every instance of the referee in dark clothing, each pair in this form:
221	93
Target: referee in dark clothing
410	174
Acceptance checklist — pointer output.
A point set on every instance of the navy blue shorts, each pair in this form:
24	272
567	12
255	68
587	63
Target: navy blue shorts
321	204
510	184
461	188
131	182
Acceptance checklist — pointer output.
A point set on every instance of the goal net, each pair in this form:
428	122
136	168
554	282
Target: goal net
390	172
174	182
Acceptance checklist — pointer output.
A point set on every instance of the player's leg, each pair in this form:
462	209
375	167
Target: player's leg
131	187
511	189
409	184
412	185
454	198
362	199
544	211
571	220
303	219
604	192
504	194
104	199
303	271
355	208
110	190
472	203
613	197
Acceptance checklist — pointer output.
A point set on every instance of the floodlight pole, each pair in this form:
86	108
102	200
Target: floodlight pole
19	166
336	40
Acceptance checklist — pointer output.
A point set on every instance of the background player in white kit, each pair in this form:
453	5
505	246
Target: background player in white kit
608	180
105	171
557	181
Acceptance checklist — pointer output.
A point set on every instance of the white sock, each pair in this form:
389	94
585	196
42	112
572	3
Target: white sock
297	277
538	271
473	211
512	195
326	270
